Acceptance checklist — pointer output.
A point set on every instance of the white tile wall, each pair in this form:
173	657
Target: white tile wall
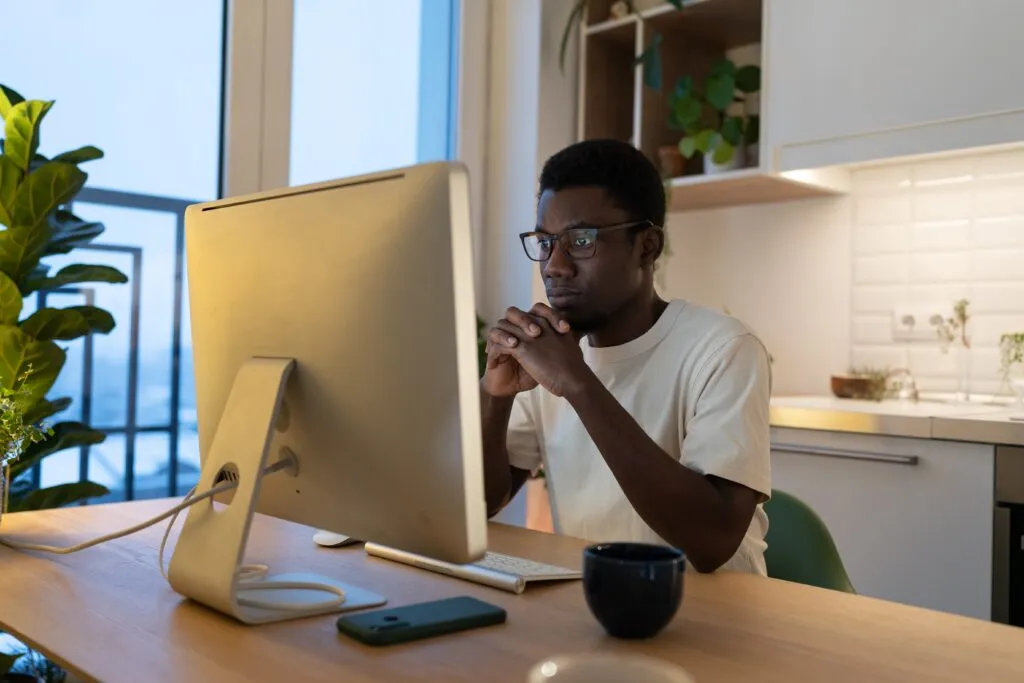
819	279
962	237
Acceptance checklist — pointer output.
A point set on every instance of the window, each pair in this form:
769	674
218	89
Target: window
372	86
123	82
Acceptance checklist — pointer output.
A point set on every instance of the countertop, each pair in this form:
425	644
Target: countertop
984	420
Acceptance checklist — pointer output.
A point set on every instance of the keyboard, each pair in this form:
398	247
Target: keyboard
505	572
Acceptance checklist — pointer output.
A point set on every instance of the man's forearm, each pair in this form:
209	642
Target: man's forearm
682	506
495	412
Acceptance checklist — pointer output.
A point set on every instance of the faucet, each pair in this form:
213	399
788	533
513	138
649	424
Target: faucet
906	386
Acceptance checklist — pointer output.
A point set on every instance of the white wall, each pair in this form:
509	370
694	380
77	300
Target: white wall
516	110
819	279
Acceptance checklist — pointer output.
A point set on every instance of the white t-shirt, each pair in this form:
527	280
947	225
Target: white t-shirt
698	383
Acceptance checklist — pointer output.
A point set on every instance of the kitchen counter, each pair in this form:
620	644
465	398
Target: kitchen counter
983	421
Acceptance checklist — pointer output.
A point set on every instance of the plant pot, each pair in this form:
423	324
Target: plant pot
670	161
737	161
753	155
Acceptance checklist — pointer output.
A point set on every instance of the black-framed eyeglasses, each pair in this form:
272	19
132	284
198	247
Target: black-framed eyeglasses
579	243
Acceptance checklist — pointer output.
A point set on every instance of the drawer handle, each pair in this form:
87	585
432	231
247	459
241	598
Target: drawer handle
842	453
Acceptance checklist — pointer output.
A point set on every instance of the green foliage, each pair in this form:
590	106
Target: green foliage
1011	351
953	328
34	192
481	344
703	111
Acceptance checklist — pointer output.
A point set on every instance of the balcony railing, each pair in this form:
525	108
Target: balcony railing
92	463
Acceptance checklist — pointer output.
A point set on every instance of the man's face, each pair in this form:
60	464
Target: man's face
587	291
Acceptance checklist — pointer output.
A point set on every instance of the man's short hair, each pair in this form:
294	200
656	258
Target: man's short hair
629	177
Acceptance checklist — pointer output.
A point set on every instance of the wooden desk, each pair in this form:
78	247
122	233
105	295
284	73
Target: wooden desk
106	614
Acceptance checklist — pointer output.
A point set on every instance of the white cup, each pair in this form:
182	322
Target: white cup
607	668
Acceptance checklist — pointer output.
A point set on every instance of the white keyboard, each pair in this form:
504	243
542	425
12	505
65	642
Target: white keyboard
497	570
520	566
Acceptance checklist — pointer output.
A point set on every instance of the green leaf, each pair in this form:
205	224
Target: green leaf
65	324
58	496
10	300
21	249
678	4
65	435
688	110
21	131
688	146
17	352
68	231
723	153
80	155
575	17
723	67
650	58
752	132
684	86
706	140
75	275
8	98
748	78
721	91
44	409
732	130
44	190
10	179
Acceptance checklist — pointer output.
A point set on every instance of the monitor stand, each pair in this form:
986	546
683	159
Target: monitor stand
208	556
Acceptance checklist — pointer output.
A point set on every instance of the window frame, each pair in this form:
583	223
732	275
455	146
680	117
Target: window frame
258	41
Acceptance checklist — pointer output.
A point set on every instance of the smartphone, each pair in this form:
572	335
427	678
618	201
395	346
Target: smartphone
423	620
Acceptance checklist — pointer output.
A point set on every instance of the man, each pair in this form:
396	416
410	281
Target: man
649	417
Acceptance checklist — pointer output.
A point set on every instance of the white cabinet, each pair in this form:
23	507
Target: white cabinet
912	518
859	80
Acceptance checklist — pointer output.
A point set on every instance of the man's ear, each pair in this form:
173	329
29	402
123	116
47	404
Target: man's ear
652	243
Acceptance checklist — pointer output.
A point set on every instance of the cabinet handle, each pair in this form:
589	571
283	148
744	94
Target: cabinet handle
842	453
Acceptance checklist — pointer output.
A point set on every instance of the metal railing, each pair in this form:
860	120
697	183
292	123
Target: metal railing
131	428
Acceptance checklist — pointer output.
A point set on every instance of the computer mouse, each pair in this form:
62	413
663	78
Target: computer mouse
330	539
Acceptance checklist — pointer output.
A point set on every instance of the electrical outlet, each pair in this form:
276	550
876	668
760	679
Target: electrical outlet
914	323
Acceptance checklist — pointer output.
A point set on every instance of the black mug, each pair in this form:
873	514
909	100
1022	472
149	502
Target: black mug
633	589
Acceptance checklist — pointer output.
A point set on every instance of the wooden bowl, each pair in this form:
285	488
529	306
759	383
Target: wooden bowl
860	387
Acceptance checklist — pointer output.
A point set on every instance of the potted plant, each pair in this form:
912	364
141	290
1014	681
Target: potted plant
35	224
1011	361
713	115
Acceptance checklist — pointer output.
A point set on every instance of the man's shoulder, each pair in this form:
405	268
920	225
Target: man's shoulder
705	328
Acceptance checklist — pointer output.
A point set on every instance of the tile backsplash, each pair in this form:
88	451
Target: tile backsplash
820	280
923	236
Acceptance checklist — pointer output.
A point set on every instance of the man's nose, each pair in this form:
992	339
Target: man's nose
560	264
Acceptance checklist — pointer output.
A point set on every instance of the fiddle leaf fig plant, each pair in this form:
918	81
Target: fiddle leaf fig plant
35	224
705	112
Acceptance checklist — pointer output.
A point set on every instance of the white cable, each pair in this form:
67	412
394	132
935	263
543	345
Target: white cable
250	574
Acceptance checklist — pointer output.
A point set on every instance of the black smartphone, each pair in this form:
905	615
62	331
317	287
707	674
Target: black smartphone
423	620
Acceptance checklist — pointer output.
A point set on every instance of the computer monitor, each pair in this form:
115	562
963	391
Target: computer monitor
334	324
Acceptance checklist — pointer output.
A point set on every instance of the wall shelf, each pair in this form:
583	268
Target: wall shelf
615	103
749	186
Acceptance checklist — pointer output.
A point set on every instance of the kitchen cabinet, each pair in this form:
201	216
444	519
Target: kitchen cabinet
911	518
851	81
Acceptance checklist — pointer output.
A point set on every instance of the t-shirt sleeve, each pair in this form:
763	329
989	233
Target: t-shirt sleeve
728	432
523	443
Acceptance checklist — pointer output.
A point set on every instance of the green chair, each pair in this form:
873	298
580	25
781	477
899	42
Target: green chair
800	548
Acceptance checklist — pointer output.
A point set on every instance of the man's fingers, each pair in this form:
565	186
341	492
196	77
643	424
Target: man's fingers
554	318
506	334
523	320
